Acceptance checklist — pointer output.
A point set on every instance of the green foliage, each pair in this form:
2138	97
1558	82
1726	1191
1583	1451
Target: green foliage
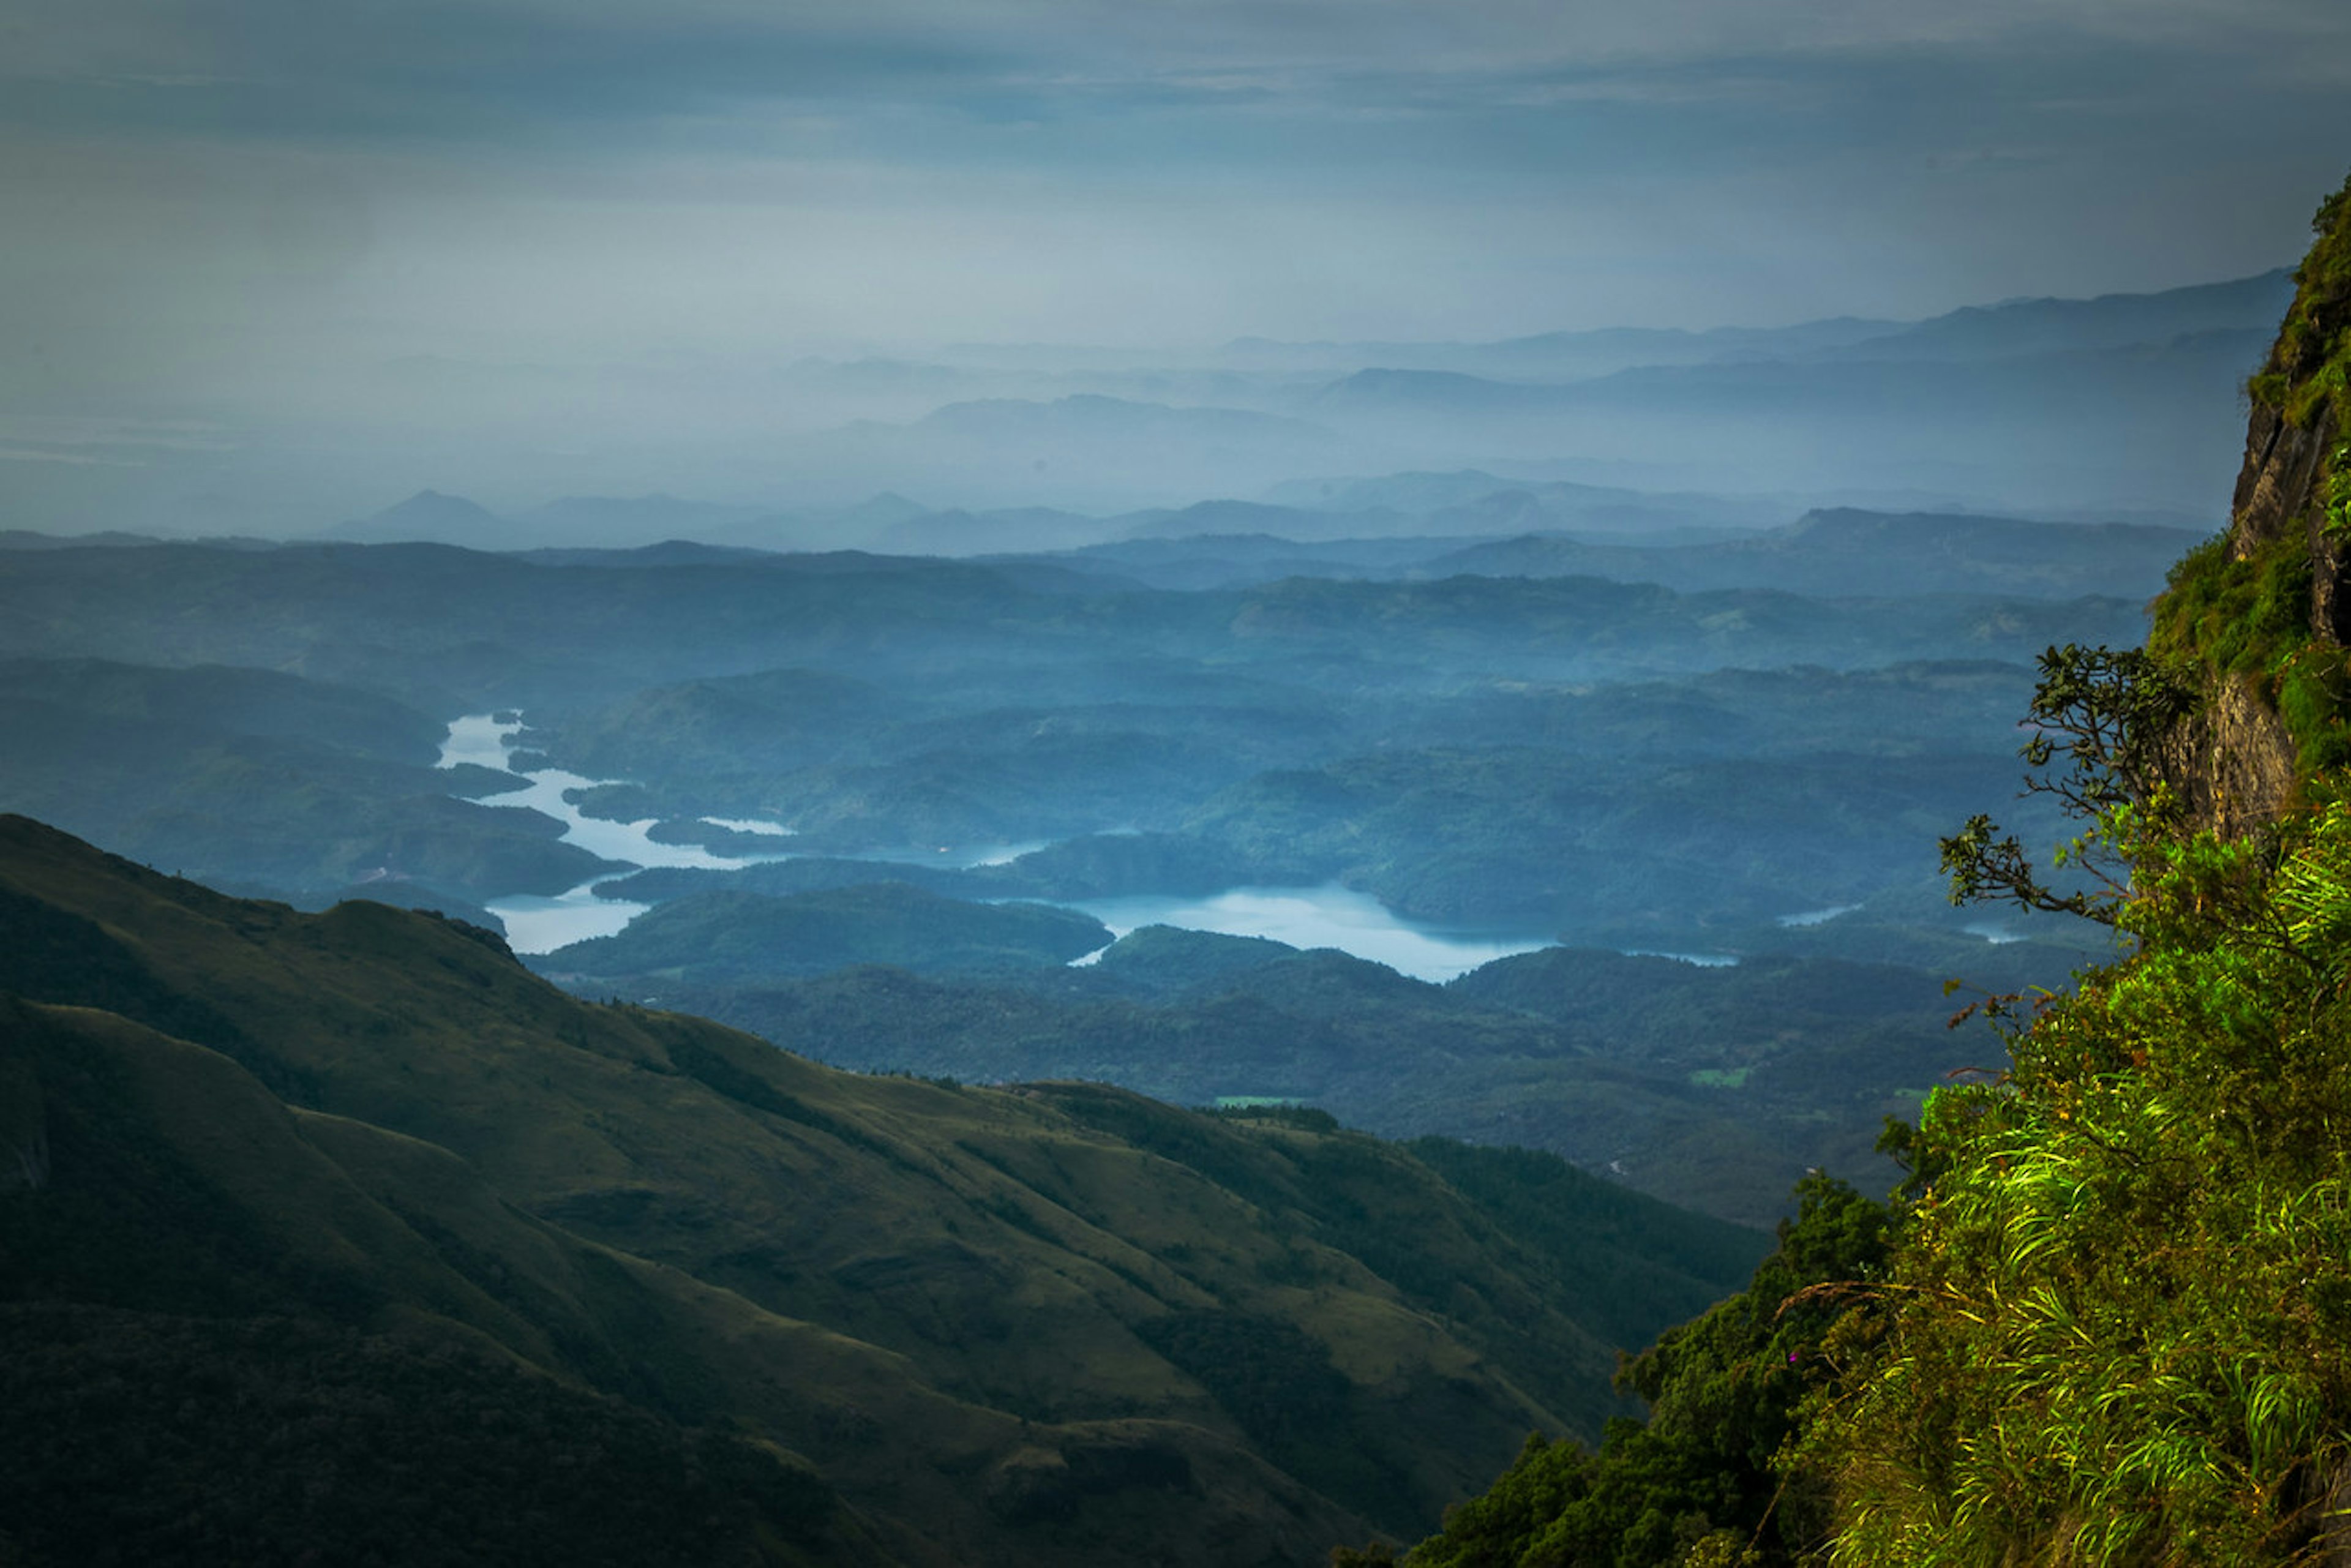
139	1437
2307	367
2251	618
2105	713
2120	1326
2235	616
2312	687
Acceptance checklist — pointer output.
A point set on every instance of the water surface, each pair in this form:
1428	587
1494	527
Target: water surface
541	924
1328	916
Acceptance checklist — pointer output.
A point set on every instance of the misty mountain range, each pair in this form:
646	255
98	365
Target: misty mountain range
1493	698
1038	785
2107	409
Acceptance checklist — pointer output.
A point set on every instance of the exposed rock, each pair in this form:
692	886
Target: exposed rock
2278	492
2274	486
2234	760
2231	760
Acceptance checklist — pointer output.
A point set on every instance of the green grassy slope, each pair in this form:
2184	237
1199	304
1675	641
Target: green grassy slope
1045	1325
2117	1321
1714	1088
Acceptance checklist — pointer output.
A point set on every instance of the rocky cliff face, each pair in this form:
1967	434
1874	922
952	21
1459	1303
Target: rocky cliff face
2231	761
2278	489
2239	761
2281	493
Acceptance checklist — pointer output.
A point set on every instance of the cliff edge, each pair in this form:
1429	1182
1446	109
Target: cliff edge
2257	621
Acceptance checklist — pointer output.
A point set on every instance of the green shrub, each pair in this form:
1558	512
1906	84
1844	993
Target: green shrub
2119	1323
2306	370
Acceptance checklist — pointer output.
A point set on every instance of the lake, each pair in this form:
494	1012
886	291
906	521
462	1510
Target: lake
1326	917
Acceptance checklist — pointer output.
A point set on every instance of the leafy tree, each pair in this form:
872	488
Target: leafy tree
2098	716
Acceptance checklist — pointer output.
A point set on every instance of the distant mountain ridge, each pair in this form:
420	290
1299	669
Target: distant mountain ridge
2040	404
1845	551
2105	321
431	518
2011	326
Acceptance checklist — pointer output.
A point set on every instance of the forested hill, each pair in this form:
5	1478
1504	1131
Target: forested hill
342	1238
2106	1320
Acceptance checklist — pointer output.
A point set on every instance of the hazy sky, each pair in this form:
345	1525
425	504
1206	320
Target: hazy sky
681	175
211	194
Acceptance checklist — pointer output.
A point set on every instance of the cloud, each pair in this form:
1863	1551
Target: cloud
225	180
459	68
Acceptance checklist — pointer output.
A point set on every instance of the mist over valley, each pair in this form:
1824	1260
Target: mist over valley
969	785
1128	766
701	775
1461	816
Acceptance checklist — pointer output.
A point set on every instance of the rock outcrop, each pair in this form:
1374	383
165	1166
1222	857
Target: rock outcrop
2231	761
2236	762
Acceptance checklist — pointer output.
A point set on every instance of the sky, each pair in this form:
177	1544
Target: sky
225	206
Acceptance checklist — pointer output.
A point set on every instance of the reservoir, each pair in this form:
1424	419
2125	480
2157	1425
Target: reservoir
1327	917
1306	917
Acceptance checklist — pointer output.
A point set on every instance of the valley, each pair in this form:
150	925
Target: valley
1328	916
1050	784
1188	1044
1283	841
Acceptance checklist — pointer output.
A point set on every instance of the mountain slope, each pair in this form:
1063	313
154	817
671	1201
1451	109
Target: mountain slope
1055	1324
430	517
1848	552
